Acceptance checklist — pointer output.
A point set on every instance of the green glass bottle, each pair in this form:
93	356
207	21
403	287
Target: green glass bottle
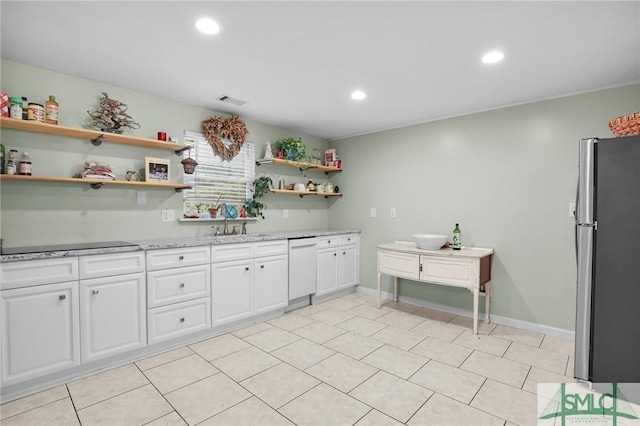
457	244
2	153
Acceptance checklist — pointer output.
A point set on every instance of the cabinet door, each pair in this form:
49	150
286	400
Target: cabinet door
112	315
348	266
231	290
270	283
327	271
40	331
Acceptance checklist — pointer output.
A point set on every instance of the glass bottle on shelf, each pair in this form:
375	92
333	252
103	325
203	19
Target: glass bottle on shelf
457	244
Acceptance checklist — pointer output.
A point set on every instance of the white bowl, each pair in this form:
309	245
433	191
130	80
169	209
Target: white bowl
429	241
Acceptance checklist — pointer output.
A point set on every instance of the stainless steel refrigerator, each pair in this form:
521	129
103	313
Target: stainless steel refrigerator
607	342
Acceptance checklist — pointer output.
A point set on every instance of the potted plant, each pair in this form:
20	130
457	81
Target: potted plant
252	206
111	116
292	149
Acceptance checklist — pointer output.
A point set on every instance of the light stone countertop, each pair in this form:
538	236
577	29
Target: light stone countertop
165	243
411	247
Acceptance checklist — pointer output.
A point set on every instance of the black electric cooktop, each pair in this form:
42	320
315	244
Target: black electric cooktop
65	247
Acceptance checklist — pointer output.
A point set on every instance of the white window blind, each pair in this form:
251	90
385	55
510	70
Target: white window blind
232	181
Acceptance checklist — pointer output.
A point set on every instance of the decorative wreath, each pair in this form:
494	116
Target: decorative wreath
231	129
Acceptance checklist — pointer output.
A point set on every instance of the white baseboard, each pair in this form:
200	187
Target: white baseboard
510	322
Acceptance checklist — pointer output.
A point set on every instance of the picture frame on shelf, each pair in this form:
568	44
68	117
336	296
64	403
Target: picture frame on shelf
330	157
157	169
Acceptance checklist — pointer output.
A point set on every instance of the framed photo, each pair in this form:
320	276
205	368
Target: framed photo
156	169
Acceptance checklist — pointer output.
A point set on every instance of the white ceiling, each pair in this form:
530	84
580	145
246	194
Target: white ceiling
296	63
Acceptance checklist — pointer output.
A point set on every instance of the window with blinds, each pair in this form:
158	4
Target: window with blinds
217	181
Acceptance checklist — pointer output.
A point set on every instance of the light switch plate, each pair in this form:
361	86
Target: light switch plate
372	212
285	214
168	215
392	213
141	197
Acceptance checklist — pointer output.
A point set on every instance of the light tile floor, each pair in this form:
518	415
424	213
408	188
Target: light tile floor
343	362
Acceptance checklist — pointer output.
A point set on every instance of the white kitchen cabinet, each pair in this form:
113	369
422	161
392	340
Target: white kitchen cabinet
270	283
40	331
254	282
232	290
112	315
327	274
175	320
338	263
178	292
36	272
348	266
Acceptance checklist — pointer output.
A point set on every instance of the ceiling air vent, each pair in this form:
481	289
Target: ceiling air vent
230	100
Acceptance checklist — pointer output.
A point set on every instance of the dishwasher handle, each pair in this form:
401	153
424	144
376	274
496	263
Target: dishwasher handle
303	242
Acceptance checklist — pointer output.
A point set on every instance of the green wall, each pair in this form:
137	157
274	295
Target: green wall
507	176
47	213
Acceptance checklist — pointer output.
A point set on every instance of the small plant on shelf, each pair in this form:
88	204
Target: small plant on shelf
252	206
292	149
111	116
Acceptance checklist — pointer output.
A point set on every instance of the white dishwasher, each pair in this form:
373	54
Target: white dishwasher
302	267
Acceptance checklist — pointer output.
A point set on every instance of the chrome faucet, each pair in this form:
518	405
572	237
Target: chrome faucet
216	232
223	209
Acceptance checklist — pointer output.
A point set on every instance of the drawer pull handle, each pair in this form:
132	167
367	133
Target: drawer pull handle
335	254
246	269
96	291
343	253
261	266
181	257
181	285
62	297
348	239
181	319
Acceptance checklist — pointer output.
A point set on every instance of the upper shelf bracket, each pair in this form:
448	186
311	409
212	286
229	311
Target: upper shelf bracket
97	141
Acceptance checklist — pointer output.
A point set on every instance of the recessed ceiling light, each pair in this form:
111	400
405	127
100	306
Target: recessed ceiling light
492	57
207	26
358	95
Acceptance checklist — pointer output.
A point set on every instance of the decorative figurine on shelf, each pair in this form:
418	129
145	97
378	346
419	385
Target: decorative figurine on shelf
268	154
132	176
111	116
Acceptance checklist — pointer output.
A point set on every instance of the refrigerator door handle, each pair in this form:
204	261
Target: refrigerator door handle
585	251
585	199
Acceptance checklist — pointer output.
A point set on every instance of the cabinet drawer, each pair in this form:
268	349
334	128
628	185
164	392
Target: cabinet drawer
174	258
106	265
178	285
328	241
455	272
224	252
268	248
348	239
35	272
169	322
402	265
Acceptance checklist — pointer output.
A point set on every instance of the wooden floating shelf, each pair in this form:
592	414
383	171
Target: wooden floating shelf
305	193
95	183
298	165
95	136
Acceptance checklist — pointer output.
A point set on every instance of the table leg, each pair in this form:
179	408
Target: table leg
379	290
487	302
476	294
395	289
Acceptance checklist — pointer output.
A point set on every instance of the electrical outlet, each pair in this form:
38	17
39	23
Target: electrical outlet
392	213
168	215
572	209
372	212
285	214
141	197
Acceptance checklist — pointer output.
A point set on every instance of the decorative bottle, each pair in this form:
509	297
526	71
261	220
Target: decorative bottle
457	244
51	110
11	162
25	164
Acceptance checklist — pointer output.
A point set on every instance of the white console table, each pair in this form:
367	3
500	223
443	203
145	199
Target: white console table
469	267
